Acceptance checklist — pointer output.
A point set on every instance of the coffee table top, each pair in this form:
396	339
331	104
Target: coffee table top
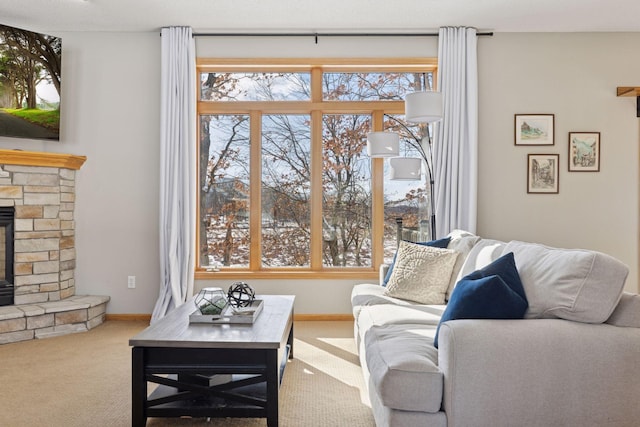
174	330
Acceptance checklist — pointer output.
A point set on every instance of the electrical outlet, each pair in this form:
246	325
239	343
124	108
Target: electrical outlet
131	282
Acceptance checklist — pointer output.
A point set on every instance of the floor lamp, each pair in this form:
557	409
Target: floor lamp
423	108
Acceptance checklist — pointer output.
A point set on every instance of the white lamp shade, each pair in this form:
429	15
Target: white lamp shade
423	107
405	168
383	144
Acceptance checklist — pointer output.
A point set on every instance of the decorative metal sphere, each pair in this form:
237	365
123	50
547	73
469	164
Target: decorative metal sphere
240	294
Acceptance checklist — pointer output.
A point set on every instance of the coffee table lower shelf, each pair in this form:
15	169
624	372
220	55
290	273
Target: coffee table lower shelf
240	384
244	401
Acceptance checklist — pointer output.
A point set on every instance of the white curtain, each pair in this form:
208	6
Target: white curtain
177	169
456	136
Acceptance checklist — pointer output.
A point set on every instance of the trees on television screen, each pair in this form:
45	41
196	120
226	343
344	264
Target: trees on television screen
27	59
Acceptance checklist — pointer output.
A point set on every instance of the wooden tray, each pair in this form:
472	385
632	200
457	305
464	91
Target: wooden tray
246	315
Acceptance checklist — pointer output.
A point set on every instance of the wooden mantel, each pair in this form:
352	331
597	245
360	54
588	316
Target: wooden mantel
631	91
628	91
33	158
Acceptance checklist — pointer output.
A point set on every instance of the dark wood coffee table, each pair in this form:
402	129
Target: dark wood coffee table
202	370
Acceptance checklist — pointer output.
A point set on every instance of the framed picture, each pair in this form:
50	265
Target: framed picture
534	129
542	173
584	151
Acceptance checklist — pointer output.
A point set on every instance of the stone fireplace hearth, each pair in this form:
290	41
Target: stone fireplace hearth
41	189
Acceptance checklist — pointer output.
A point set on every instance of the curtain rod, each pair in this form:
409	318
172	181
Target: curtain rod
316	35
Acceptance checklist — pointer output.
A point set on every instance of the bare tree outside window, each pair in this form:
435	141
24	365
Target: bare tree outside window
285	163
225	192
346	207
286	190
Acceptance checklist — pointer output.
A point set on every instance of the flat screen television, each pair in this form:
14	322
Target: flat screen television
30	68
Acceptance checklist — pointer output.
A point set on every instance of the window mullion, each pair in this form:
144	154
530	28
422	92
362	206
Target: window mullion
255	223
377	202
316	190
316	172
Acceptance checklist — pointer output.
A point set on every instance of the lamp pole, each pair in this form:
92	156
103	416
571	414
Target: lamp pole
429	161
416	142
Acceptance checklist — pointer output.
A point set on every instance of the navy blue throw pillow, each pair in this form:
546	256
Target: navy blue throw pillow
440	243
505	267
494	292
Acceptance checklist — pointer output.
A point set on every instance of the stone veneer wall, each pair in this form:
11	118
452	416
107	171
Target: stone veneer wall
41	187
45	255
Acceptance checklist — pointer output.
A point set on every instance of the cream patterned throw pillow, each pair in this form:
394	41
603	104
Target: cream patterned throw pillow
421	273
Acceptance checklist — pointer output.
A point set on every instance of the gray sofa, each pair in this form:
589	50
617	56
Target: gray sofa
571	361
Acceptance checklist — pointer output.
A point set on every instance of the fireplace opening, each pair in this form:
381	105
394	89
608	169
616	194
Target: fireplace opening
7	215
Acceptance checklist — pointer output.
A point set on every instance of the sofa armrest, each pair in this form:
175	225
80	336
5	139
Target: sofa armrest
539	372
627	312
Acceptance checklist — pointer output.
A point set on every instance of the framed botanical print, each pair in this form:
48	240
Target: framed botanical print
542	173
534	129
584	151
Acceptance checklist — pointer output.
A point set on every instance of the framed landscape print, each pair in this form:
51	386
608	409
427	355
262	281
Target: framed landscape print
534	129
584	151
542	173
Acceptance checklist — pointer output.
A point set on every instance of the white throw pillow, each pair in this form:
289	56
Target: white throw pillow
421	273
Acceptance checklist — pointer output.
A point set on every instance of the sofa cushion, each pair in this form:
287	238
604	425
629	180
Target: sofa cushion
440	243
403	366
366	294
462	242
494	292
572	284
421	273
391	314
394	314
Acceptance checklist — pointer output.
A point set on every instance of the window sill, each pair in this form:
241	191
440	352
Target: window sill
287	274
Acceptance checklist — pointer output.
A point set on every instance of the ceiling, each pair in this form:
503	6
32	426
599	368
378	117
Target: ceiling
321	15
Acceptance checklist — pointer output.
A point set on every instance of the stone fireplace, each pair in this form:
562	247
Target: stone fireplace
40	190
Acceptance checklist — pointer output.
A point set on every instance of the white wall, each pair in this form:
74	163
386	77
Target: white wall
573	76
113	85
110	113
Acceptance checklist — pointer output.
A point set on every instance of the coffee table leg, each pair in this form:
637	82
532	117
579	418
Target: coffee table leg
290	342
272	388
138	388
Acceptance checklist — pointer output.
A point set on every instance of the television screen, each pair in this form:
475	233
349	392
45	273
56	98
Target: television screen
30	65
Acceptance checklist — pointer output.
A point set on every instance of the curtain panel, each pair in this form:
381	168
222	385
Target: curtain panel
177	169
456	136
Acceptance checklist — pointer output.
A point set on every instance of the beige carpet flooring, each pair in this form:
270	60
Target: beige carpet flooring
85	380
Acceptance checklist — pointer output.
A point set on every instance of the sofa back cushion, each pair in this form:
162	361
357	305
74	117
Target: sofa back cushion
572	284
462	242
484	252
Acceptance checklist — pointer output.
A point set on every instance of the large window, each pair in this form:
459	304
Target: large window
285	181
